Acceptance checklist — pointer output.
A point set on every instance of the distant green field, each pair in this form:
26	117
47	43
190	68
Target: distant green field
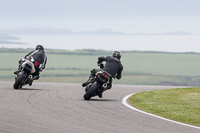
140	68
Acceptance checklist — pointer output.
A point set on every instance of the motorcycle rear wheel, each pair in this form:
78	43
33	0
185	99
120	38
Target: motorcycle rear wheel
91	91
18	81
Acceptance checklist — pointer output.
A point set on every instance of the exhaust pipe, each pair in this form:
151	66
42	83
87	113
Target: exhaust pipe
104	85
30	76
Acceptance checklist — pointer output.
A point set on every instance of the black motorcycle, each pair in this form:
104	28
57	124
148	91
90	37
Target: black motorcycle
97	85
24	77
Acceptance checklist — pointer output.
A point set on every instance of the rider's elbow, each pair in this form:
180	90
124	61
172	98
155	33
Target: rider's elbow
118	76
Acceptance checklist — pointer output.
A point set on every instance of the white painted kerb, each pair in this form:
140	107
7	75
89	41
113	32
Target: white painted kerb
124	101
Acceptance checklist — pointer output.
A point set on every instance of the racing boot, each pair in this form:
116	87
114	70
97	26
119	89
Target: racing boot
100	95
36	77
87	82
16	72
30	83
19	69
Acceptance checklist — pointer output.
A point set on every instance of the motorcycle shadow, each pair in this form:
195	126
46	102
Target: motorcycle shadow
109	100
29	89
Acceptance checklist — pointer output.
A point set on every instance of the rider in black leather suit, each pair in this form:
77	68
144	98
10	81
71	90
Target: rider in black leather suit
40	62
113	66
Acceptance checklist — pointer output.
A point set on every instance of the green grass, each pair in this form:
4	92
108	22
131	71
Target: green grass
162	63
181	104
142	68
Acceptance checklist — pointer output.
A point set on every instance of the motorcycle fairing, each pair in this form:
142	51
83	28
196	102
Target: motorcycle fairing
27	62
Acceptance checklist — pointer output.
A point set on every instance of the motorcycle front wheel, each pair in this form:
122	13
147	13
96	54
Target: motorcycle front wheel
91	91
19	80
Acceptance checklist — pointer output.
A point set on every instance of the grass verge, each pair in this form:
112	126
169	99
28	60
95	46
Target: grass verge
181	104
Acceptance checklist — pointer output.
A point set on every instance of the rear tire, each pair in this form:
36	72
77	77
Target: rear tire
91	91
19	80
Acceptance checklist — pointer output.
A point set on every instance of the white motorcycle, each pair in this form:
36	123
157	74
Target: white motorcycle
24	77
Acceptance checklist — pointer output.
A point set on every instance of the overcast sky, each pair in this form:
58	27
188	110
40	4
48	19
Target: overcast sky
120	15
128	16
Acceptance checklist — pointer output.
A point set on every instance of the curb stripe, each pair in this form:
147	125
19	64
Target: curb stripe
124	101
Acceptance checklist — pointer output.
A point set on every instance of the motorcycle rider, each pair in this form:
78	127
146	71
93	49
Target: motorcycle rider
40	62
113	66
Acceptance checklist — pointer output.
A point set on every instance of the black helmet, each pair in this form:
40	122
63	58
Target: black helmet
39	47
116	54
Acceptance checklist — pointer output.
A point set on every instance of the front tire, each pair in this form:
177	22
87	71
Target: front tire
18	81
91	91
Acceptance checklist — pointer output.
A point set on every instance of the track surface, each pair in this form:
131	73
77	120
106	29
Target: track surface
60	108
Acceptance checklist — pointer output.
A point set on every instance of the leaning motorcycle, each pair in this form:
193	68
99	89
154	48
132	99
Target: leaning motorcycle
97	85
24	77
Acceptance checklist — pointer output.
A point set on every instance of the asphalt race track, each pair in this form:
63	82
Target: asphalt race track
60	108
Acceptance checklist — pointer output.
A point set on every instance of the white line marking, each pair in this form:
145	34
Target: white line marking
124	101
